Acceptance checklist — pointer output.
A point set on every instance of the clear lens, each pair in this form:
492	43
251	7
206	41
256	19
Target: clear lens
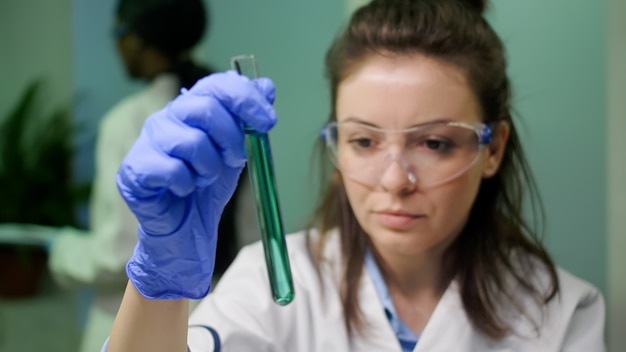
431	154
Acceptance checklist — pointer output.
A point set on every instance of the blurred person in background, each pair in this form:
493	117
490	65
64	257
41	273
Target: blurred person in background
154	41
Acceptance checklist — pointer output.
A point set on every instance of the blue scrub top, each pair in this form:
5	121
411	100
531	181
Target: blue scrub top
405	335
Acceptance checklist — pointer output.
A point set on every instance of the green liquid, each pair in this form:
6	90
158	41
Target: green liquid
261	170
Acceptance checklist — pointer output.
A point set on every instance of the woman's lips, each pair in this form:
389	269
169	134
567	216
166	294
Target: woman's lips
397	220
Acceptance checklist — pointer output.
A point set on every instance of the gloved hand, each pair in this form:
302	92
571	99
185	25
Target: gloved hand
179	175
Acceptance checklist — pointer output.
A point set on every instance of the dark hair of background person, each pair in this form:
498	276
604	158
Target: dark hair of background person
497	243
174	28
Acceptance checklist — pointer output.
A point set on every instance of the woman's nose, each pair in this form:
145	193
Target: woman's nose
397	176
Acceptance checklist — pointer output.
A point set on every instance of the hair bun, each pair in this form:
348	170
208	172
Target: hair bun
478	5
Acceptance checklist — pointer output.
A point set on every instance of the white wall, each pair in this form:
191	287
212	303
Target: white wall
616	217
352	5
557	64
35	41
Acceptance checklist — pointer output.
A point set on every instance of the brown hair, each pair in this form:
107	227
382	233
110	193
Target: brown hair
497	243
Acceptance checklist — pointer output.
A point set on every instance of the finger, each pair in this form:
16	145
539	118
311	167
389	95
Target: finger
207	114
190	144
241	97
147	171
158	213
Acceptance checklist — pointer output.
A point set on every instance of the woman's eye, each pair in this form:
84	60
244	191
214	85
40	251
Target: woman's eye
362	142
436	145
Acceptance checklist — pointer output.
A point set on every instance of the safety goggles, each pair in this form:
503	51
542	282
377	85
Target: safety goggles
431	154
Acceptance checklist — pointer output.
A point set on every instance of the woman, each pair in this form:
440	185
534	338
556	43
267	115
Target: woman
419	243
154	40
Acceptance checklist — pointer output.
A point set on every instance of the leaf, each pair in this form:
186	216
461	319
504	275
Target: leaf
36	155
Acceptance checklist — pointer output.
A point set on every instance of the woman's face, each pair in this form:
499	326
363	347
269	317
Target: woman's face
129	48
394	93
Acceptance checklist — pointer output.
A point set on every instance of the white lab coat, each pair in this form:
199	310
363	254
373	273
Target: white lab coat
242	313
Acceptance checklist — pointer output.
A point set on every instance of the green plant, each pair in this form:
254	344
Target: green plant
36	152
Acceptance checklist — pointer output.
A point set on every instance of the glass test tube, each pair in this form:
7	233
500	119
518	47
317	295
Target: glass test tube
261	171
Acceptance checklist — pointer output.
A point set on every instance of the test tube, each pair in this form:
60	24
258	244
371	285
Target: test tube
261	171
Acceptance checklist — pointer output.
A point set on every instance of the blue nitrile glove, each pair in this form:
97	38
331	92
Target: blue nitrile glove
179	175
